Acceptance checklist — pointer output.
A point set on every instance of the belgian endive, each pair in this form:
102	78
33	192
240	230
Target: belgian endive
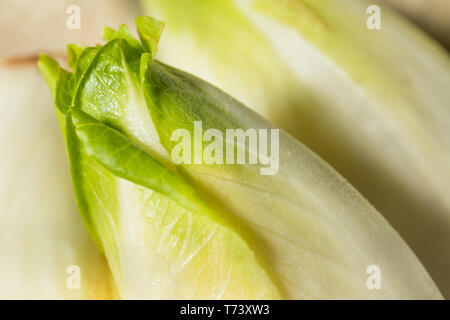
170	229
45	252
374	103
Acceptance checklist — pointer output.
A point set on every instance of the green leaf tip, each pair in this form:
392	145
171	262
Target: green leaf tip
149	30
59	81
80	57
122	32
73	54
50	70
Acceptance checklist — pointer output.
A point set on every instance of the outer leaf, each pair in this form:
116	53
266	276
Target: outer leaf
374	104
319	233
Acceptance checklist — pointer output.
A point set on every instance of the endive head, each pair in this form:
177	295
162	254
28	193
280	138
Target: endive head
171	229
161	239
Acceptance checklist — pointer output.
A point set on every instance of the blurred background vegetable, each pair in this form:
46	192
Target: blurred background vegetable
432	15
41	233
31	27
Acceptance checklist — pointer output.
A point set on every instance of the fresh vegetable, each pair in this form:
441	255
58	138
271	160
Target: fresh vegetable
45	252
175	230
375	104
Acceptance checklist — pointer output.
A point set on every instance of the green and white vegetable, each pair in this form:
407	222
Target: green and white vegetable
375	104
210	231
